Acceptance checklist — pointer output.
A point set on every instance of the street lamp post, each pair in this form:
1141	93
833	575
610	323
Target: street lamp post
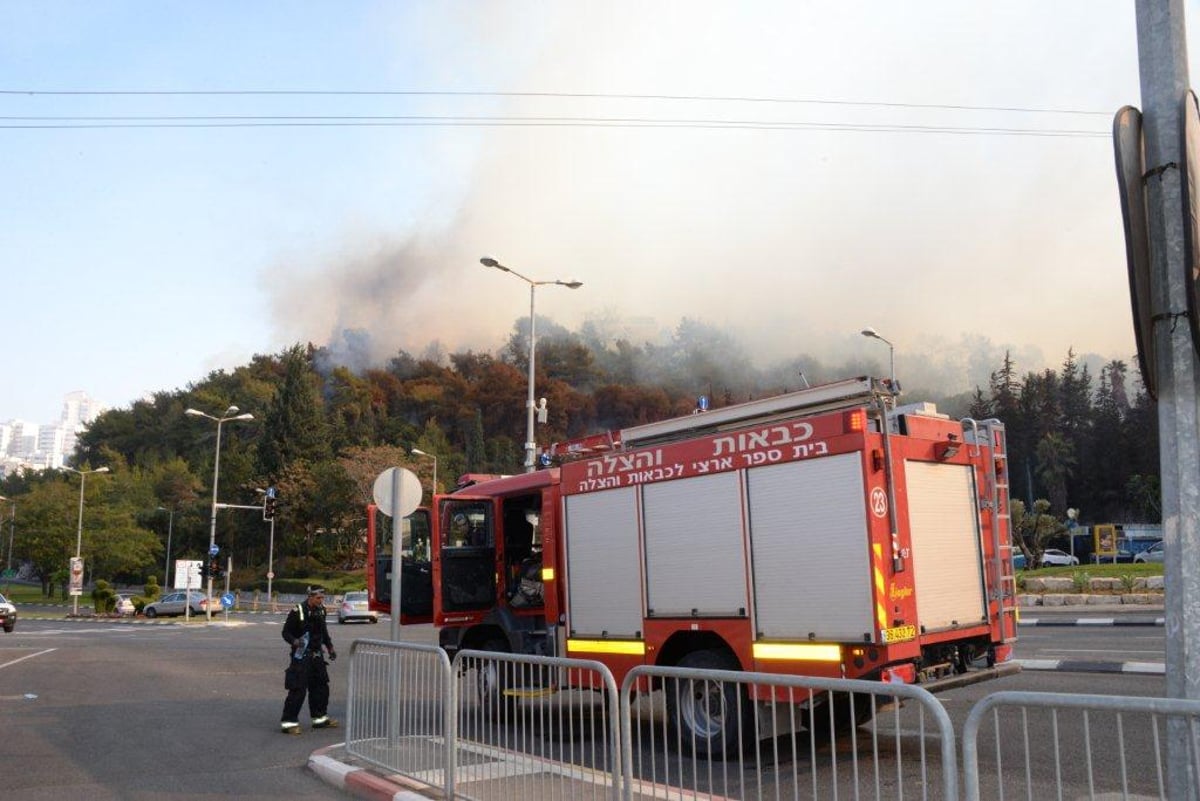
873	334
420	452
530	436
230	414
83	474
170	529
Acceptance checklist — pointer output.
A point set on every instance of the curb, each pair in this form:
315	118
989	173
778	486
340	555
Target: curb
1094	621
363	782
1085	666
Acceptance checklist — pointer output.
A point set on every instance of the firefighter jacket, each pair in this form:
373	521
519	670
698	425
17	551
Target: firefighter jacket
305	628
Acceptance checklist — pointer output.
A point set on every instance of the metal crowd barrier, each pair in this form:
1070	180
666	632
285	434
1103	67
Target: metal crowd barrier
494	727
398	711
531	727
1081	746
803	737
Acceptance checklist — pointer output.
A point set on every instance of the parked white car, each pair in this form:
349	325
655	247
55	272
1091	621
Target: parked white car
1152	554
123	605
1053	556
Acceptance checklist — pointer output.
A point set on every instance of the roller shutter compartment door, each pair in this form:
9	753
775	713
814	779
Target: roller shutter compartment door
695	547
812	564
604	594
946	551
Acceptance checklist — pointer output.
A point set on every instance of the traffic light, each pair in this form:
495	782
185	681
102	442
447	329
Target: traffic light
213	569
269	504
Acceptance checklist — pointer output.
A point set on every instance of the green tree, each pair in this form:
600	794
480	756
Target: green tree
1033	529
294	428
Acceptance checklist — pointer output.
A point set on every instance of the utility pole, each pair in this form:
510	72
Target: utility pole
1162	63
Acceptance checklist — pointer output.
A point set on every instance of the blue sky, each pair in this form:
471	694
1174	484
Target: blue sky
137	259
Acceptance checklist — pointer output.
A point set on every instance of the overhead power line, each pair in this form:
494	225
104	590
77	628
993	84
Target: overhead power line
557	95
345	121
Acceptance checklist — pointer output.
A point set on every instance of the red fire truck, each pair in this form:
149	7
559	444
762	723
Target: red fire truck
826	532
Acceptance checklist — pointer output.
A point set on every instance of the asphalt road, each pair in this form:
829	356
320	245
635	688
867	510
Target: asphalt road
93	710
104	710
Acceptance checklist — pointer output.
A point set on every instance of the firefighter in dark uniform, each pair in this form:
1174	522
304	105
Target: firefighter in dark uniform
305	631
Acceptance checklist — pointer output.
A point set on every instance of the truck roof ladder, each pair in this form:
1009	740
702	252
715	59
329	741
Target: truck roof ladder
833	396
990	434
829	397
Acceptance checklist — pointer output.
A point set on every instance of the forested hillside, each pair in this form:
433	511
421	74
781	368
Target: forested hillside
321	434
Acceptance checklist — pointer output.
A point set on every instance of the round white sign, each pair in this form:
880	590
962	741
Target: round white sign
410	492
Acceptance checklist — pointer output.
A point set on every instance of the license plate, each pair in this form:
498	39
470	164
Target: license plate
899	634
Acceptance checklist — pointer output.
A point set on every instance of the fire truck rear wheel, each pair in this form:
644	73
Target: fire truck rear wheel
710	719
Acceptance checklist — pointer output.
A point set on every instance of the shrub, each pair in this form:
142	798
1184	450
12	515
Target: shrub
1082	580
104	600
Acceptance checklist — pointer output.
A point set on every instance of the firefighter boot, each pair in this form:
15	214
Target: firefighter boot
325	722
289	728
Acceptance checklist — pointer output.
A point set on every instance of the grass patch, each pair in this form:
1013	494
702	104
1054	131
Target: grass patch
1098	571
32	594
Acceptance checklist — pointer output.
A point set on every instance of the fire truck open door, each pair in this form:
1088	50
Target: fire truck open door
464	565
416	585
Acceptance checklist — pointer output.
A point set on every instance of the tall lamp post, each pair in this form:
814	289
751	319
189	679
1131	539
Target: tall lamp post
230	414
12	527
83	474
420	452
873	334
530	436
170	529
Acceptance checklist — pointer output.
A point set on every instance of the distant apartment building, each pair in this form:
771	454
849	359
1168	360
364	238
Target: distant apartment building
32	446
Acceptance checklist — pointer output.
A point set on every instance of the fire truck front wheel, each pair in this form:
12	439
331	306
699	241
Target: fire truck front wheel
493	679
711	719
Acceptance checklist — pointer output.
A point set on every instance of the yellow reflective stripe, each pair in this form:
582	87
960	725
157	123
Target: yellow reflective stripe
547	574
881	615
634	647
802	652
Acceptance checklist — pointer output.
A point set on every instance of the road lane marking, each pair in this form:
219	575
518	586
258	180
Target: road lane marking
27	656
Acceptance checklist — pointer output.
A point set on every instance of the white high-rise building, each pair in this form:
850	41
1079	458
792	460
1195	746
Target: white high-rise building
29	446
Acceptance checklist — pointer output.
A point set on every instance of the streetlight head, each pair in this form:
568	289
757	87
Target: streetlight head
418	452
246	416
488	261
870	332
231	410
571	284
195	413
100	470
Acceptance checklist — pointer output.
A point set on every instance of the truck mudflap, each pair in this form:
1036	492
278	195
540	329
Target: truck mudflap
971	677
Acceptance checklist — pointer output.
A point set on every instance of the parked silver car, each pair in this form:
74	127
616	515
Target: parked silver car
174	604
355	607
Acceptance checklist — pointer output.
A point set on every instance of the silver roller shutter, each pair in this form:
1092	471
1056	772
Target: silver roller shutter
695	547
603	566
946	555
808	534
